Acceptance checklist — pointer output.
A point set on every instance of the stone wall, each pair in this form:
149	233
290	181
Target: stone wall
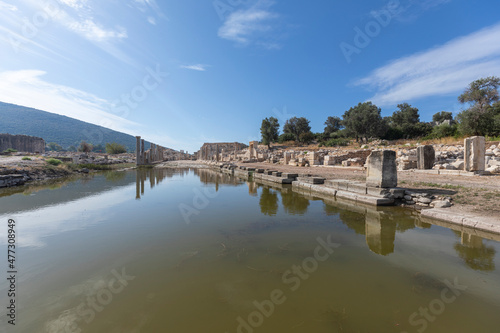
226	150
24	143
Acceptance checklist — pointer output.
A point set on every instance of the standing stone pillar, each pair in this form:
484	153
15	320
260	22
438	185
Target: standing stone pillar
206	153
143	152
138	151
381	169
425	157
287	157
217	152
475	149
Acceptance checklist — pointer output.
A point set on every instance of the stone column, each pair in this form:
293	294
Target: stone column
286	157
143	152
381	169
425	157
217	152
474	155
138	151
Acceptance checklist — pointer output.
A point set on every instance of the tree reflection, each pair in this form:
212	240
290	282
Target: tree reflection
475	254
268	202
294	203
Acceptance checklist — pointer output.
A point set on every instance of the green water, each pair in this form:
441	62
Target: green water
197	251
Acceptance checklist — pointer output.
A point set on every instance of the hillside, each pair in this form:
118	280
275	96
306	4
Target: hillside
66	131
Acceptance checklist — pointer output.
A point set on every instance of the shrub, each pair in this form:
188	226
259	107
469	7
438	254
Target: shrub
54	161
85	147
336	142
115	148
26	158
306	137
10	150
286	137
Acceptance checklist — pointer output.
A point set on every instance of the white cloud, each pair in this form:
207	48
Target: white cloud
198	67
7	6
152	20
243	26
27	88
445	69
93	32
75	4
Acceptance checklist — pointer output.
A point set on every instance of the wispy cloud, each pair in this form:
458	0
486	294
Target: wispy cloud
94	32
64	100
246	25
446	69
152	20
410	10
198	67
7	6
75	4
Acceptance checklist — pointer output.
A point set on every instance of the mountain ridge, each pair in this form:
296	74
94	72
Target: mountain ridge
63	130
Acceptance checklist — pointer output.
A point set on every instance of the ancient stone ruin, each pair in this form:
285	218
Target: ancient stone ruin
150	156
381	169
23	143
221	151
474	158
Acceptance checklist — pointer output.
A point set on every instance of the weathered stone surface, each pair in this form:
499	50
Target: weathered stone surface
381	169
425	157
441	204
311	180
289	175
475	149
22	143
424	200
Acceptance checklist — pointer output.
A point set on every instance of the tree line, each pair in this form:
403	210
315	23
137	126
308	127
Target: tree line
364	121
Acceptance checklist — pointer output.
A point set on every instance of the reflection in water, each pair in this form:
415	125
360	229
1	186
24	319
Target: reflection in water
239	254
155	176
475	254
268	201
380	233
208	176
293	202
252	189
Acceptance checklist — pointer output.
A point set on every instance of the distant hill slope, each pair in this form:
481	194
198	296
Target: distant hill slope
66	131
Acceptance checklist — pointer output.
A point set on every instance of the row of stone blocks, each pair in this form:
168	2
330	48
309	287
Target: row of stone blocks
11	180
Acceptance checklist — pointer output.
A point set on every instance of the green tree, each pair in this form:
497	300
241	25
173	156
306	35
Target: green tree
406	116
296	126
99	148
72	148
269	131
364	121
115	148
481	93
306	137
442	116
85	147
52	146
286	137
481	117
333	124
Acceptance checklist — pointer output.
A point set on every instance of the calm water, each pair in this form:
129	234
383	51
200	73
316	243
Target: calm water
195	251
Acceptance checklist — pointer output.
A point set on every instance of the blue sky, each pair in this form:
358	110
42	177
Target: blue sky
180	73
